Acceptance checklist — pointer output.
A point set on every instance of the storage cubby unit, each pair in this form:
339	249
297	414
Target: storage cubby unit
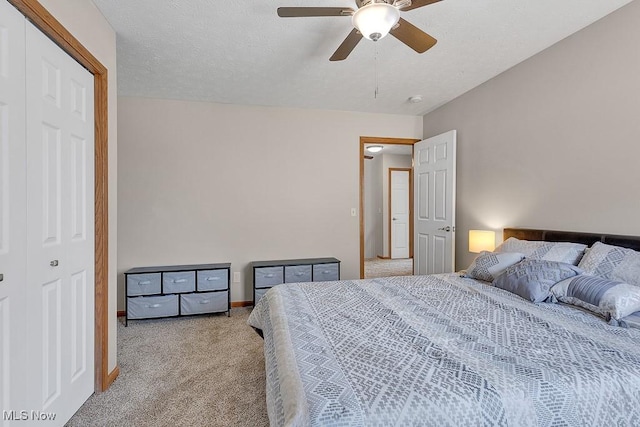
177	290
267	274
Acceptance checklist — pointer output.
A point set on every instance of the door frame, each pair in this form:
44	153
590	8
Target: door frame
53	29
410	220
367	140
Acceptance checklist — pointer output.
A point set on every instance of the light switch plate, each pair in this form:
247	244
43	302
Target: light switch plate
236	277
354	212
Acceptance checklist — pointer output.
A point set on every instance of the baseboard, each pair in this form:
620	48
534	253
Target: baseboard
112	377
384	257
121	313
241	303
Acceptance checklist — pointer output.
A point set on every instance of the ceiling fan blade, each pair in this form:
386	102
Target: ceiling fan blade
413	36
297	12
347	46
418	3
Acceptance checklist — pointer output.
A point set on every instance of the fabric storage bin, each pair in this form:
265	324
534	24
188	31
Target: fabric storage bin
206	302
297	273
149	307
323	272
259	294
212	280
268	276
178	282
143	284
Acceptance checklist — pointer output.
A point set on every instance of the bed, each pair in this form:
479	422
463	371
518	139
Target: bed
445	350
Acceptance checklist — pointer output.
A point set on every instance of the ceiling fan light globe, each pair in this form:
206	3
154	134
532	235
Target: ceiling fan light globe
375	20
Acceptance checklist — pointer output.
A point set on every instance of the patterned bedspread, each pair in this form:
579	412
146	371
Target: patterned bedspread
441	351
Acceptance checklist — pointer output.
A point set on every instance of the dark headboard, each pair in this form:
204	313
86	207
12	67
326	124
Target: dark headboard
632	242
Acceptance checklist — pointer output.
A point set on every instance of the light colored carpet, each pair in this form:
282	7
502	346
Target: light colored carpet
377	267
190	371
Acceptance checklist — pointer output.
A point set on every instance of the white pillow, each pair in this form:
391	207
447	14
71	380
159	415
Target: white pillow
612	262
566	252
489	265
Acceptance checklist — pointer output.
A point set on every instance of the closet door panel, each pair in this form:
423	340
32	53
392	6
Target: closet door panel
50	339
49	162
60	232
46	275
12	211
80	239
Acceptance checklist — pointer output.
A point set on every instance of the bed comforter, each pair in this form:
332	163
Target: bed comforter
441	350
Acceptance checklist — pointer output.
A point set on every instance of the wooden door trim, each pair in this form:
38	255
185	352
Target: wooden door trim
53	29
365	140
410	219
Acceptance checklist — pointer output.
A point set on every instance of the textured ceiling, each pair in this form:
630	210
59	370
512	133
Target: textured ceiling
241	52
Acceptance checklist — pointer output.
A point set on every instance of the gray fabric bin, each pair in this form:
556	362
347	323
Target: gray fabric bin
260	293
213	280
143	284
149	307
323	272
265	277
297	273
178	282
206	302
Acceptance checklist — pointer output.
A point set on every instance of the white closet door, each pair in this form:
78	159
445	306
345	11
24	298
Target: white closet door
12	211
60	228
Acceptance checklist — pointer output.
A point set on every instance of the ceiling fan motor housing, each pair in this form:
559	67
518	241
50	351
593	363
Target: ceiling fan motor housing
361	3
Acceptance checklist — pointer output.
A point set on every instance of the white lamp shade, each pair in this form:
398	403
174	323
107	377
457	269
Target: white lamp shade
375	20
481	240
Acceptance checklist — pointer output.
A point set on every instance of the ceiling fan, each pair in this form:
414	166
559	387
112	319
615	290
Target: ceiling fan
373	20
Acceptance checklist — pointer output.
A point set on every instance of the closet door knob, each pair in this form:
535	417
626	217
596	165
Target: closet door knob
54	263
1	277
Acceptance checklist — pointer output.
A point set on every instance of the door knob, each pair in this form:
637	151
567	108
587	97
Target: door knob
447	229
393	219
54	263
1	277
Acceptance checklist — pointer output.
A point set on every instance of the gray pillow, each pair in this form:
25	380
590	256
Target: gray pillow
489	265
532	279
612	300
550	251
612	262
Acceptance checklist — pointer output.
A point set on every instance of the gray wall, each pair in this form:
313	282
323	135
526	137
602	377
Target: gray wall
202	182
373	207
554	141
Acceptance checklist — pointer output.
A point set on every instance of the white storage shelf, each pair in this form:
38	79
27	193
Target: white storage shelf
177	290
267	274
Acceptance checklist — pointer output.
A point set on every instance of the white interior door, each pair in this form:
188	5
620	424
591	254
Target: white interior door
435	200
399	194
13	212
60	228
